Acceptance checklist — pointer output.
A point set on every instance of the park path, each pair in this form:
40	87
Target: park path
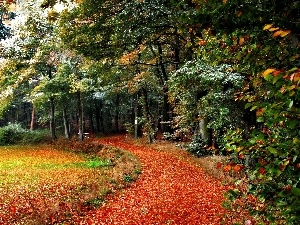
170	190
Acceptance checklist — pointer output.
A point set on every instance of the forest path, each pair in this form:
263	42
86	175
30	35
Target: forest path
170	190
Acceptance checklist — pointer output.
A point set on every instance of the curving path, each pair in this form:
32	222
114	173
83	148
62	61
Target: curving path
169	191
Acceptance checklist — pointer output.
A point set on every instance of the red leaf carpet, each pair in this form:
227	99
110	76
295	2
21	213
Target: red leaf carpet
170	190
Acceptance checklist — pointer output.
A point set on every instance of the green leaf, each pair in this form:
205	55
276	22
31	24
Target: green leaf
260	119
248	105
269	77
295	191
291	103
272	150
283	193
253	107
292	124
277	78
275	171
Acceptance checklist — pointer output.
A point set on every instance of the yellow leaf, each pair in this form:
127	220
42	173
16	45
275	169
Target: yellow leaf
267	72
277	33
273	29
284	33
268	26
241	41
224	1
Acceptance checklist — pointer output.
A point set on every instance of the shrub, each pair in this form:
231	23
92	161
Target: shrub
199	147
11	134
14	133
36	137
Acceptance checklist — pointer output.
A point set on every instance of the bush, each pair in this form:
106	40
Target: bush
36	137
14	133
199	147
11	134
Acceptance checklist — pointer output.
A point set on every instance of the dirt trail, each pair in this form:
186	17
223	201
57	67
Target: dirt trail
169	191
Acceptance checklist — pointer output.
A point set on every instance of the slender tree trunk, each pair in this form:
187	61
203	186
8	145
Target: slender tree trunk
117	113
52	119
166	109
164	77
92	129
137	114
52	111
97	114
135	109
66	124
32	118
80	116
149	126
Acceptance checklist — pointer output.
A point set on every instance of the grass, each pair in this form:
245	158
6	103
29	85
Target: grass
43	185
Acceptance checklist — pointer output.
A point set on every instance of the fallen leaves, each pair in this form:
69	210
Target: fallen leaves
41	185
169	191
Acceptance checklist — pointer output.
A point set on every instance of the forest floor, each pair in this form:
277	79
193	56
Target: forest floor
172	189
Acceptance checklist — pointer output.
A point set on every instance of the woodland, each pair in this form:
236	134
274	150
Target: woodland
221	77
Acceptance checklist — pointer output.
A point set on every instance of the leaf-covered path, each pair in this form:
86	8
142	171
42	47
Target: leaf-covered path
170	190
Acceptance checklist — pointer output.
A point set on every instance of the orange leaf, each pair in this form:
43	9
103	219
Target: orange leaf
227	168
276	72
277	33
202	42
241	41
219	165
296	77
284	33
238	168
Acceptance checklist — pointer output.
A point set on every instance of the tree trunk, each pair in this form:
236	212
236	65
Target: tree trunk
66	124
117	113
166	126
32	118
97	115
52	119
164	78
92	128
204	134
80	116
137	114
149	125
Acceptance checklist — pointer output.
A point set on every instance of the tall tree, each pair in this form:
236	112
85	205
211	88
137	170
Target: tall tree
146	36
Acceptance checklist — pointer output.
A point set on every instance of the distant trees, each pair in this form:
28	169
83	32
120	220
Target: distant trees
144	41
